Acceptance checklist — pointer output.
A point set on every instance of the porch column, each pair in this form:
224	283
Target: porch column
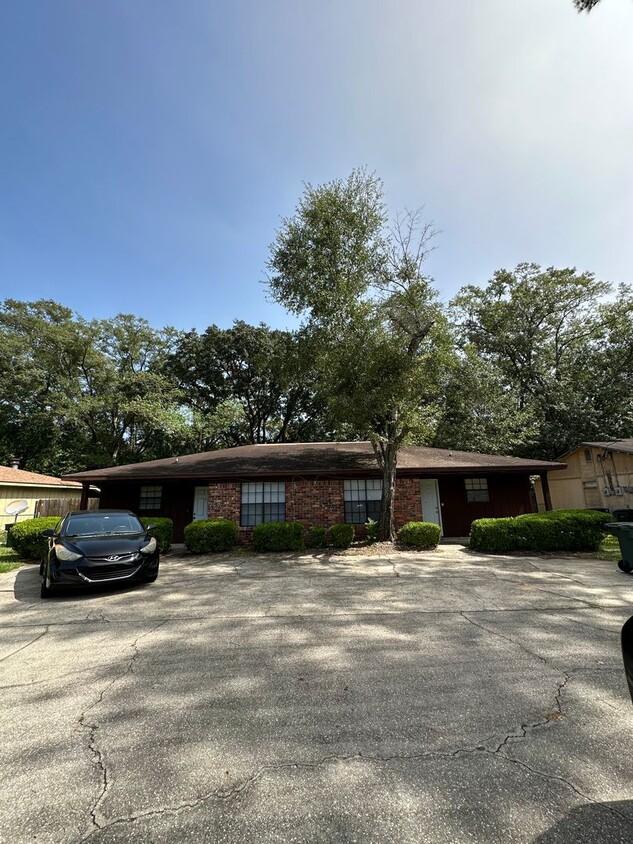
546	493
85	489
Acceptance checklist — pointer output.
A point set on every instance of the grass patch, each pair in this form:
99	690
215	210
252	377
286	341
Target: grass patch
609	549
8	559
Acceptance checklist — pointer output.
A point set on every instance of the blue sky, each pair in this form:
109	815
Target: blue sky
148	148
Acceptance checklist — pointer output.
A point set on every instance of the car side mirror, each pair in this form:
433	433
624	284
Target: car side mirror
48	533
149	527
627	652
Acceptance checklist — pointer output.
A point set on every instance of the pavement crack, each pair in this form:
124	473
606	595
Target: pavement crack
27	645
494	632
393	566
92	728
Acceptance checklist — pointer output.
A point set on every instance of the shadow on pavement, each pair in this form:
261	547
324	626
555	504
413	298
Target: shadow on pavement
606	823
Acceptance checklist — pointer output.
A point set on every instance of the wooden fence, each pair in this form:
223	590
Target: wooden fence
59	506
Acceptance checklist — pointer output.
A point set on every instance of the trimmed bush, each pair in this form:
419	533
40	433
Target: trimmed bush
317	538
371	528
206	536
420	535
556	530
278	536
162	529
26	537
342	535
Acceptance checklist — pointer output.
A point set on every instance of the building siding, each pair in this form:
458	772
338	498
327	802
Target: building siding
581	485
33	494
319	502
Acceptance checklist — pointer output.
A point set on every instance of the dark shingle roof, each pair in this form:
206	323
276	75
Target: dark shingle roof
310	459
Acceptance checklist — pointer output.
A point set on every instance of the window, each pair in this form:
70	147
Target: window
362	500
150	498
263	502
587	455
476	490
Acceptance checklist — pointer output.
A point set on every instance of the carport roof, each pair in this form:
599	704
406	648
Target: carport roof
311	459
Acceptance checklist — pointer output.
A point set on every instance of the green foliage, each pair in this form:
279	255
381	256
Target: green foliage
103	379
342	535
206	536
419	535
26	537
317	538
371	529
551	366
557	530
162	529
373	314
251	384
278	536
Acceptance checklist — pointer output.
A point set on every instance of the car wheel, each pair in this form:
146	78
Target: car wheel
46	590
624	566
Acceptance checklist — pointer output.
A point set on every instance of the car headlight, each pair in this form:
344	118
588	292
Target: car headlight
62	553
150	547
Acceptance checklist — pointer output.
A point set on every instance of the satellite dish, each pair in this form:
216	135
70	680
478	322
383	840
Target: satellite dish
14	508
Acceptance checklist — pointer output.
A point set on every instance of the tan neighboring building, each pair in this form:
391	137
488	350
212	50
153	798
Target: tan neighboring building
17	485
598	475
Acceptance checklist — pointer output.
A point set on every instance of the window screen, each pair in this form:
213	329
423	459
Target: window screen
150	498
362	500
263	502
476	490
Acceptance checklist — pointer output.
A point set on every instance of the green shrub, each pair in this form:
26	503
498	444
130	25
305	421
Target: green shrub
371	528
278	536
342	535
206	536
26	537
162	529
419	534
317	538
556	530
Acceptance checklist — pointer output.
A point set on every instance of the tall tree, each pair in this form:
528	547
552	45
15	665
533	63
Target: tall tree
543	333
359	283
75	394
264	377
585	5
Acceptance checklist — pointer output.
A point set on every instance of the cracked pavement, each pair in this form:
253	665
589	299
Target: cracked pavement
436	697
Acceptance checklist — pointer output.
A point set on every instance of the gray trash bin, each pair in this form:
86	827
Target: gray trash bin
624	533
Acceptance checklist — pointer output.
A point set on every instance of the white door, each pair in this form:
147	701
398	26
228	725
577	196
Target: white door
431	510
201	503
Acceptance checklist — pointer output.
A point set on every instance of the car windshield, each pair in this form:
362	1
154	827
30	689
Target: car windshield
102	525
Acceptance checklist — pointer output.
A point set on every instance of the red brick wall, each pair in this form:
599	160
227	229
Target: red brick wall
225	500
408	502
316	503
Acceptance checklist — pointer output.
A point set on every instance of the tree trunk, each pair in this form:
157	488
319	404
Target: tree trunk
387	453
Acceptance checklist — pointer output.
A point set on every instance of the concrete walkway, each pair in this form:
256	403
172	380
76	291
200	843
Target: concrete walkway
438	697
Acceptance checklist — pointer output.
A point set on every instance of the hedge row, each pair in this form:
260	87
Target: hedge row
26	537
556	530
162	530
419	535
209	535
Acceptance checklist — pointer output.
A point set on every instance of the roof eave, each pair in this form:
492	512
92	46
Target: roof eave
534	468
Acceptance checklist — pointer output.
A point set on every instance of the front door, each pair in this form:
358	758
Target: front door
431	510
201	503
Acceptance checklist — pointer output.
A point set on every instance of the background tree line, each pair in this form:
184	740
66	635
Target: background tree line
530	364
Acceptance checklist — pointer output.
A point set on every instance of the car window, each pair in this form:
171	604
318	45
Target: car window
100	525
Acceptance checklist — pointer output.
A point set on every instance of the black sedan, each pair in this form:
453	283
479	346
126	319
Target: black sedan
98	546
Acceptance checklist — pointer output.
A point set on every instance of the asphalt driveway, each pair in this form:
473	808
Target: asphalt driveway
441	697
